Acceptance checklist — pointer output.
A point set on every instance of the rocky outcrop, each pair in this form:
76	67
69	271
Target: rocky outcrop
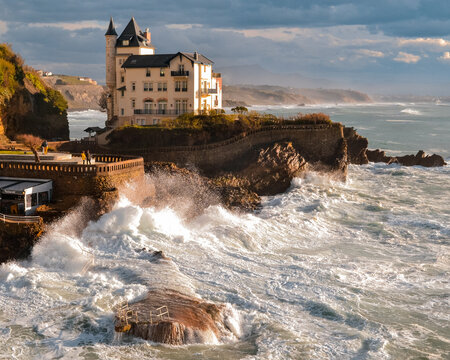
173	314
273	169
356	147
17	240
407	160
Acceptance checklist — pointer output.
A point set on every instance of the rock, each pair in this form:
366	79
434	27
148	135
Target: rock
407	160
356	147
170	317
273	170
235	193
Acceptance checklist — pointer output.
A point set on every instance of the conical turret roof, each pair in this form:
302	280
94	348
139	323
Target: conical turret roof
133	34
111	28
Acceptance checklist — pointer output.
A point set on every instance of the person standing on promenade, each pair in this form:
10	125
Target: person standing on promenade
44	147
88	156
83	157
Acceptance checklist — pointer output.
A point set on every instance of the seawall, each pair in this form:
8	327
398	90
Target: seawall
314	142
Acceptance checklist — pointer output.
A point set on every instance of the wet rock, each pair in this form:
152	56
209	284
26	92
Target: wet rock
356	147
273	170
408	160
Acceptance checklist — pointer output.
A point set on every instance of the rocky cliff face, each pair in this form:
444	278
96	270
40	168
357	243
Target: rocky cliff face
28	105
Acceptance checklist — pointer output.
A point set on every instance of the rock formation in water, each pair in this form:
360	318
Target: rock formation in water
173	316
356	147
407	160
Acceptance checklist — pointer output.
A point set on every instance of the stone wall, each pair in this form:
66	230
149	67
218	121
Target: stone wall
83	180
314	143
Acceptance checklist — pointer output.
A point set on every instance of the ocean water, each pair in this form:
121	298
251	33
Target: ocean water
327	270
80	120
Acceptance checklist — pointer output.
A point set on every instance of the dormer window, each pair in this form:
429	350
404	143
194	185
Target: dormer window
125	42
161	72
181	68
148	73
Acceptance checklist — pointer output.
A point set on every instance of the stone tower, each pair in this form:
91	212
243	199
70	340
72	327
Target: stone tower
111	39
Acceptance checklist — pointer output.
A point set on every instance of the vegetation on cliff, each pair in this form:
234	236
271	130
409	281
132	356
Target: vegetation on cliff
27	104
189	129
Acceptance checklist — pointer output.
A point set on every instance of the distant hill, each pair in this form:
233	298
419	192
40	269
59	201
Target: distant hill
81	93
257	75
276	95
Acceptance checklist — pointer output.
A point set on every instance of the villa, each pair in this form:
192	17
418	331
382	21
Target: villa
146	88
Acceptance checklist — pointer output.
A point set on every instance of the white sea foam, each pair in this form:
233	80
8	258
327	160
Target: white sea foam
411	111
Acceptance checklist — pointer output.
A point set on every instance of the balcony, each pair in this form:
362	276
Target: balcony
179	73
160	111
212	91
216	75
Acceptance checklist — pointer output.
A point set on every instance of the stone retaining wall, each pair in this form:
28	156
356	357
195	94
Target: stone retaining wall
69	179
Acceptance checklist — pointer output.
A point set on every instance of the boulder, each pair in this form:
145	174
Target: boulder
407	160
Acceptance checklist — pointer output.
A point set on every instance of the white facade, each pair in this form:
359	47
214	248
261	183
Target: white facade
146	87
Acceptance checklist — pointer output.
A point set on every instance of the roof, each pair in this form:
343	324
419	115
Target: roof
93	129
111	28
18	185
133	34
161	60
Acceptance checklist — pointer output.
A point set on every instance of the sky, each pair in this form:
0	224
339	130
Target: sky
377	46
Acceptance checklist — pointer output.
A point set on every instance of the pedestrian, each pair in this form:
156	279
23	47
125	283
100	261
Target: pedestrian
83	157
44	147
88	156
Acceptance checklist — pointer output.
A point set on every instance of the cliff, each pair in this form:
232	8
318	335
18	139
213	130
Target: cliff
27	104
277	95
79	94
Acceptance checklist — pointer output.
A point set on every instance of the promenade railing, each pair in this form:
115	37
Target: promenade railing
15	219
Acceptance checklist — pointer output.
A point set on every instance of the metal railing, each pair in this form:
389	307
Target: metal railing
160	111
14	219
125	316
179	73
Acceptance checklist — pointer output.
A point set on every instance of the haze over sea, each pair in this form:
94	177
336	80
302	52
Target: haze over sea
354	270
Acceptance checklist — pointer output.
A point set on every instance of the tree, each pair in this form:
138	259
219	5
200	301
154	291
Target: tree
102	102
239	109
32	142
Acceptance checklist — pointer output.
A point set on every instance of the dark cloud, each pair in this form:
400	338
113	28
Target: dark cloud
394	17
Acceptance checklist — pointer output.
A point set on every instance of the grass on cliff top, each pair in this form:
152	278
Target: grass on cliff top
190	129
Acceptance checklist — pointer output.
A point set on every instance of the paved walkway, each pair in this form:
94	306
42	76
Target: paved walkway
64	158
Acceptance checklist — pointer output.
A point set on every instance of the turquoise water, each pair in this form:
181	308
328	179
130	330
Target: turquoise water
328	270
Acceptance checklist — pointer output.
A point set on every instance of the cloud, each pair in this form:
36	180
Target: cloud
3	27
371	53
182	26
435	42
407	58
79	25
445	56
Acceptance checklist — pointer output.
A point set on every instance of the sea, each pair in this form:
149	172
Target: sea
327	270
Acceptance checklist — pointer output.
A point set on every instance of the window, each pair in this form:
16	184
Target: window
148	106
155	121
133	86
43	197
133	103
162	86
162	107
122	111
177	85
122	78
184	106
122	92
148	86
181	68
148	72
161	72
184	85
125	42
120	61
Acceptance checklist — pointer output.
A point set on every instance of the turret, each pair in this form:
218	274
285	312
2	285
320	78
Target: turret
111	40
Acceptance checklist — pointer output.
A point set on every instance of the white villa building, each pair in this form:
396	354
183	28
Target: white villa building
146	88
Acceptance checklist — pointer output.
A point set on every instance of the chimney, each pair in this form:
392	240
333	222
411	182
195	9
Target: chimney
196	55
148	35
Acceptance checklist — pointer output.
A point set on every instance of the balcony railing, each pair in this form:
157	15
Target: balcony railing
179	73
212	91
216	75
160	111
